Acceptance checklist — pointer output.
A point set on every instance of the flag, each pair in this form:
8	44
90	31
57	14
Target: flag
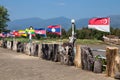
2	35
101	24
56	29
26	30
16	34
32	31
11	34
22	33
40	31
8	35
29	31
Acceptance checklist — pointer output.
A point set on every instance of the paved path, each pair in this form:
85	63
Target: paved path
18	66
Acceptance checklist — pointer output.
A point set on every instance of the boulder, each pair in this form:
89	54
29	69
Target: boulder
98	66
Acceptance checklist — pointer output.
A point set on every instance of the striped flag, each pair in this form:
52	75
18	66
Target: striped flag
22	33
16	34
101	24
2	35
40	31
30	31
55	29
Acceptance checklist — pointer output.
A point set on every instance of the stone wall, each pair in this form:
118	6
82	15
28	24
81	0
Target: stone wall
63	53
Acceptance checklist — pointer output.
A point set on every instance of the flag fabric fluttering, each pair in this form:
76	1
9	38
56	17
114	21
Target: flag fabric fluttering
30	31
2	35
16	34
9	35
101	24
6	34
55	29
22	33
41	31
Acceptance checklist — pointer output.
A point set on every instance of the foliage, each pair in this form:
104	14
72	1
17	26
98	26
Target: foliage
83	34
52	35
103	60
64	33
86	33
3	19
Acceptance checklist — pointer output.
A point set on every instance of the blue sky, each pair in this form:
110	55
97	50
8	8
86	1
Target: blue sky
45	9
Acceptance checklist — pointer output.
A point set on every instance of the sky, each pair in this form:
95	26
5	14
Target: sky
73	9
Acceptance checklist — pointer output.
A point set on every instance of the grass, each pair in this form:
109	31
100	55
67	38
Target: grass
18	39
46	40
89	41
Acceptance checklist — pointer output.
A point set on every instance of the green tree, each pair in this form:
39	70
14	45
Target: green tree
3	19
69	32
86	33
64	33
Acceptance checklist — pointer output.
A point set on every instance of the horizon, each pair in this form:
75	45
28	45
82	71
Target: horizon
46	9
63	17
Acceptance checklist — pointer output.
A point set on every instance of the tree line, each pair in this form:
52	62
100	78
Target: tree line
83	33
86	33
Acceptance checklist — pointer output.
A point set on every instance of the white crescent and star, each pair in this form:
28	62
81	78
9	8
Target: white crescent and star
104	21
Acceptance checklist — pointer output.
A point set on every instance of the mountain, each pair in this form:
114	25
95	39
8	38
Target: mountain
82	22
63	21
38	22
24	23
115	21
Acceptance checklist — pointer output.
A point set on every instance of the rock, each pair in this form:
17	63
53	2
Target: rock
15	45
87	58
36	49
40	50
9	44
28	48
66	54
117	75
98	66
1	42
4	45
20	47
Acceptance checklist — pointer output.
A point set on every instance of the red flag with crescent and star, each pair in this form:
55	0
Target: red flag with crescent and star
101	24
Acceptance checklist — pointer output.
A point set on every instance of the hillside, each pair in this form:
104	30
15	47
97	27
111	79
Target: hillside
63	21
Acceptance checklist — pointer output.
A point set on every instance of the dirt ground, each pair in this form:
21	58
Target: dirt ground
18	66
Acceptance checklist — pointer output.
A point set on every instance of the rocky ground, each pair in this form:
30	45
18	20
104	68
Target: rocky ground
18	66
